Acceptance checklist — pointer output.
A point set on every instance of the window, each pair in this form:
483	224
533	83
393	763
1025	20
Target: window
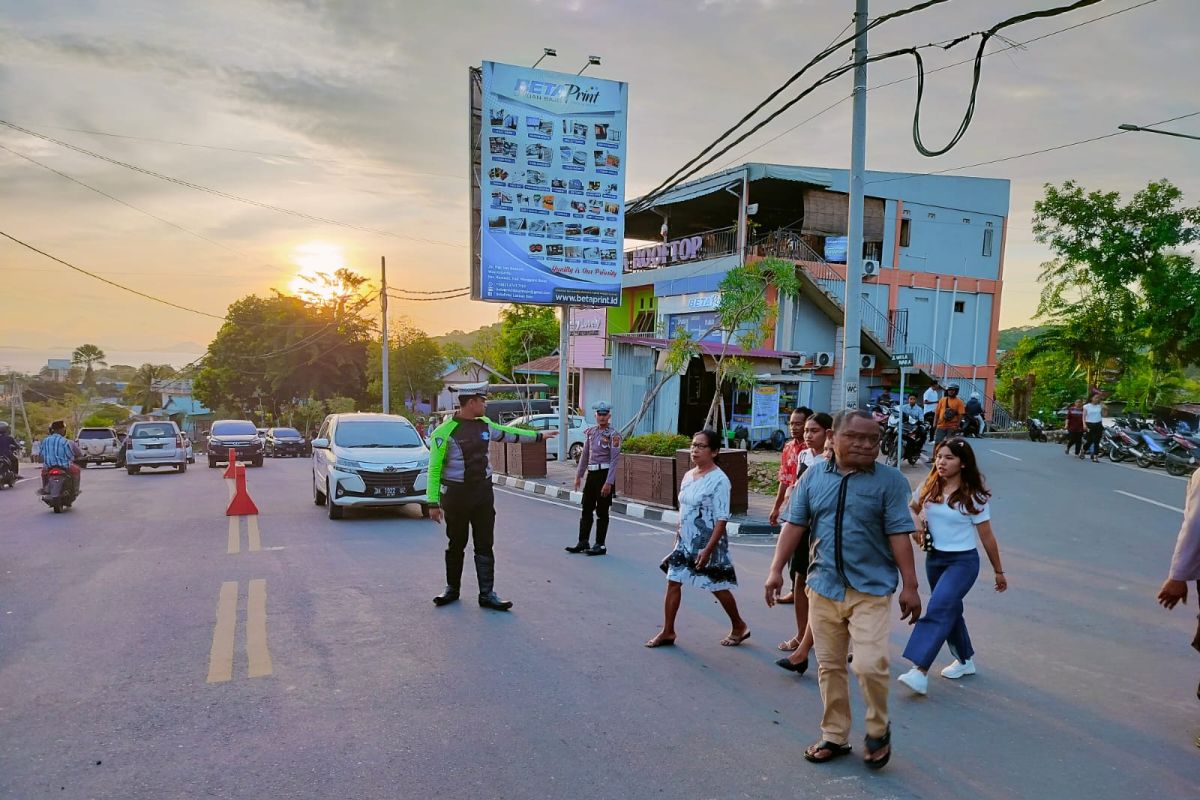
539	423
987	242
97	433
576	422
905	232
235	428
376	434
960	306
643	322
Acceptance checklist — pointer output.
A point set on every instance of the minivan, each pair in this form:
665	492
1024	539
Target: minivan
154	444
368	460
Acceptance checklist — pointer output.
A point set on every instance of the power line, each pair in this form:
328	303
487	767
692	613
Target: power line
429	299
436	291
223	194
914	51
1008	46
1050	149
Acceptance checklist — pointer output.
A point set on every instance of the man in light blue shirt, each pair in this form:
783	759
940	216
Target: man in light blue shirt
856	513
59	451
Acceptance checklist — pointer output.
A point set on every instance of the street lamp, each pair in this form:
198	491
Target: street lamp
1128	127
546	51
593	61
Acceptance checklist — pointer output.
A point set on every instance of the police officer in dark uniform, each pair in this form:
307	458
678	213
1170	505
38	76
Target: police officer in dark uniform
601	453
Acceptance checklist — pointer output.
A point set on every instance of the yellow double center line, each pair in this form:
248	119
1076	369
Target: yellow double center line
253	536
258	655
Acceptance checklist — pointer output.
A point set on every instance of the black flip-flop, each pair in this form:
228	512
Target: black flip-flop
873	745
836	751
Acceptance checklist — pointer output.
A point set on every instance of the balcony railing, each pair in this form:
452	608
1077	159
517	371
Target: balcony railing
931	361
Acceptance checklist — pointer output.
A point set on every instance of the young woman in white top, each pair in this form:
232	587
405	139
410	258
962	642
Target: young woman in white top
952	510
1093	417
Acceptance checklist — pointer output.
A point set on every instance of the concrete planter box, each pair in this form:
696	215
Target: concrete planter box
736	466
647	479
526	460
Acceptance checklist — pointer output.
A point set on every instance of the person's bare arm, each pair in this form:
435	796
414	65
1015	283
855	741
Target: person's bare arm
910	598
780	494
988	539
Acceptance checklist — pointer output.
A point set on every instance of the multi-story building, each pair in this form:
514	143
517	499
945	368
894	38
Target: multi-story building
934	250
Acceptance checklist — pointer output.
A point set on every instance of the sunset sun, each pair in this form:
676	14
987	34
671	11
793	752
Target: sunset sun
316	258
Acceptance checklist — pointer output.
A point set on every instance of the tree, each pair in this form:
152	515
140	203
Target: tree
1119	280
281	348
88	355
526	332
143	390
415	365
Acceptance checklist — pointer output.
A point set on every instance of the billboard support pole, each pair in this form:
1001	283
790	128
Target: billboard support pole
383	342
852	325
564	383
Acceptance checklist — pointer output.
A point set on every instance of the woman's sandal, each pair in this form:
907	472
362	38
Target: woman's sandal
789	645
659	641
835	751
874	745
733	640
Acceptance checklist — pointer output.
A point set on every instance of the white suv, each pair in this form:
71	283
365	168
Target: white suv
368	460
155	444
97	445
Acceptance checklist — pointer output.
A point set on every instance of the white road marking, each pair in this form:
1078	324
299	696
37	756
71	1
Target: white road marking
620	517
1006	455
1148	500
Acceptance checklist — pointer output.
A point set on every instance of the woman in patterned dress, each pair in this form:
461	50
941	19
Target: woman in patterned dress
701	554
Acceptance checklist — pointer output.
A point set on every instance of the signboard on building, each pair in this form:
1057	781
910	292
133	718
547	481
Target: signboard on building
764	407
552	187
660	255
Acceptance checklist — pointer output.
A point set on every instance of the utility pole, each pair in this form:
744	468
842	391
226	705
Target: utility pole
383	343
852	325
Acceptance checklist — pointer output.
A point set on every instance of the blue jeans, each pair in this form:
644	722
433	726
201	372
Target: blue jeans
951	576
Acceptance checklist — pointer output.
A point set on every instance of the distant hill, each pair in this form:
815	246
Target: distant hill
466	339
1010	336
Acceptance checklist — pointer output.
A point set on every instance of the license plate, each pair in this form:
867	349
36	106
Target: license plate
154	447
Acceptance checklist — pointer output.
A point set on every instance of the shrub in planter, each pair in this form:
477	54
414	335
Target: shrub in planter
646	472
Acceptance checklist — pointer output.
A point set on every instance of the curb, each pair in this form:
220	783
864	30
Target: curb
626	508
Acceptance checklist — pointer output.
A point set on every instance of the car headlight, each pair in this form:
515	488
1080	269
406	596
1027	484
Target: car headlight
346	465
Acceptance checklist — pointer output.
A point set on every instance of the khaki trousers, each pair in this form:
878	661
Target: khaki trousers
861	620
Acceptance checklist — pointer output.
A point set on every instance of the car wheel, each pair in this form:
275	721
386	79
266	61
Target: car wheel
133	470
335	511
183	468
258	462
318	495
576	452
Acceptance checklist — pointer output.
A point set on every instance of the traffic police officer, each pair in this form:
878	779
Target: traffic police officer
601	453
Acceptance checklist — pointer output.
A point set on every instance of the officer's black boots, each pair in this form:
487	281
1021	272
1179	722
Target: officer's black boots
485	570
597	550
454	567
579	547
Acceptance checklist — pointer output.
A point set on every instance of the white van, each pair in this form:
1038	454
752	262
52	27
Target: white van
368	460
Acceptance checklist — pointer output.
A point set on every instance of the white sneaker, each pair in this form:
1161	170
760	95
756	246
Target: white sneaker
957	669
915	680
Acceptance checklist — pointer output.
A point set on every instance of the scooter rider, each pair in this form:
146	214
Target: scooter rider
913	412
59	451
9	449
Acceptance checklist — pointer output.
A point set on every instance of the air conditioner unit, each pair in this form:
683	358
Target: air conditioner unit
823	360
870	268
794	363
867	362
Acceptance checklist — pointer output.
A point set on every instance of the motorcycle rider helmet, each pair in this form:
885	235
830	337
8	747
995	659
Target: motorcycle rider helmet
952	388
3	427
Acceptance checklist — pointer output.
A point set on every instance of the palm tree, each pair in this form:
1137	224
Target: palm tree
88	355
143	391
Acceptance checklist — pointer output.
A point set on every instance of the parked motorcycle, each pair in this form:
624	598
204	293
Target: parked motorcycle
1120	444
1037	430
60	491
915	435
8	473
972	427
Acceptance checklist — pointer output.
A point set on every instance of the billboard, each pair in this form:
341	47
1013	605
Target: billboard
551	183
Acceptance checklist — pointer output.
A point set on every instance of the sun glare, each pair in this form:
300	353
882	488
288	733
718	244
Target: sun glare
314	258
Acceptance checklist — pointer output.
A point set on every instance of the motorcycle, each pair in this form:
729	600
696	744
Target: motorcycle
1154	453
1037	430
972	427
915	436
1120	445
1180	461
8	472
60	491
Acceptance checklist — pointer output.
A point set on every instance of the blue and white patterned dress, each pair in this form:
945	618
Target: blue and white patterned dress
702	501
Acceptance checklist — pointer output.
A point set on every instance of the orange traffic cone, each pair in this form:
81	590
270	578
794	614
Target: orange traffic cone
241	505
231	470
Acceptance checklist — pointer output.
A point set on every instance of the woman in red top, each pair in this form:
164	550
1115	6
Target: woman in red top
1075	427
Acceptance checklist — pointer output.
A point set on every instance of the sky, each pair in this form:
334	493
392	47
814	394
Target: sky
356	111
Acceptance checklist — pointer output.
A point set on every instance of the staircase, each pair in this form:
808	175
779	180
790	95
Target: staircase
929	361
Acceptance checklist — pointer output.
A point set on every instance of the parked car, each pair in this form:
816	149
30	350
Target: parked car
368	460
284	442
99	446
155	444
541	422
236	434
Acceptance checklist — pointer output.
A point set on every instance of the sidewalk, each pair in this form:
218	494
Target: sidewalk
560	480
